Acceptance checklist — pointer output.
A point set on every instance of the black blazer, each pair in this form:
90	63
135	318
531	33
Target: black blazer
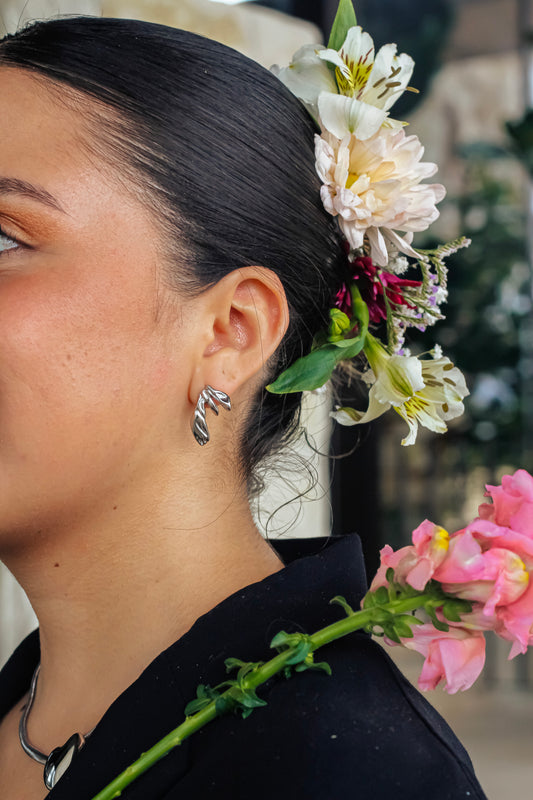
363	734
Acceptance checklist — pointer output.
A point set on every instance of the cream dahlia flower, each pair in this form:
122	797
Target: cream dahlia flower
374	187
426	392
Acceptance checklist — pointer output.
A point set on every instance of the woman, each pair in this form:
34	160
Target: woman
162	232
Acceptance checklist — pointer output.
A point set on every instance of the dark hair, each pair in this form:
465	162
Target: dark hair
226	155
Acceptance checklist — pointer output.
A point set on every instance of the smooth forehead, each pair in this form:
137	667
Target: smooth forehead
44	139
49	137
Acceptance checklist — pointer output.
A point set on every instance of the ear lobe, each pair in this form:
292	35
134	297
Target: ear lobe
248	316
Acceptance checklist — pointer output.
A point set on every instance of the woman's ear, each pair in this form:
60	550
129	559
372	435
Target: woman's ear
246	316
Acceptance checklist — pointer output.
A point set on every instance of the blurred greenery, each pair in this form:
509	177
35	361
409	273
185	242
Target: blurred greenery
521	134
489	304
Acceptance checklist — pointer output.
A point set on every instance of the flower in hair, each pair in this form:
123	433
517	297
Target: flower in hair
378	288
422	391
360	89
372	178
374	187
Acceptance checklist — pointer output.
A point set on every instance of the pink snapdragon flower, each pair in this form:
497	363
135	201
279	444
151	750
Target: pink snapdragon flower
494	577
415	564
492	559
512	503
490	564
456	656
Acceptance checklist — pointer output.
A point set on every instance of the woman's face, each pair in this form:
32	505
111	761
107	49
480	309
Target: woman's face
89	386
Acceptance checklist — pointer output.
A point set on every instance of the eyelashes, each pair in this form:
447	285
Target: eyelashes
7	243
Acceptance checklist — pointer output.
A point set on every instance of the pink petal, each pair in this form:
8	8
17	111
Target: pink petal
463	562
456	656
517	620
457	661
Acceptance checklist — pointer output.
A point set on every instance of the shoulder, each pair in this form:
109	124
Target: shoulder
363	732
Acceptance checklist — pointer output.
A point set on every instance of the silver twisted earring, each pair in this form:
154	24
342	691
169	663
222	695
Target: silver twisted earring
212	398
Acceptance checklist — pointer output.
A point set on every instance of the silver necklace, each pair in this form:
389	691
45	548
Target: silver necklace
60	759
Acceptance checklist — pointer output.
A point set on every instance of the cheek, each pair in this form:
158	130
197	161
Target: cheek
78	359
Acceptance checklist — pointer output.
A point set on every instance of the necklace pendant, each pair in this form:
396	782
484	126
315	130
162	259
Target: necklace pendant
60	760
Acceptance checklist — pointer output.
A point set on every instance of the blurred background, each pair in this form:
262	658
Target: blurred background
474	114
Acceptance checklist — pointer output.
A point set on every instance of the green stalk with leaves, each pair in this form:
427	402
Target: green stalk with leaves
385	612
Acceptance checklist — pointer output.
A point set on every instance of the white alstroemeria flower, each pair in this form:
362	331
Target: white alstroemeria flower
358	101
375	189
368	86
307	76
425	392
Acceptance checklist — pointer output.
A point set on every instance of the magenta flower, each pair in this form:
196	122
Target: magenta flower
374	284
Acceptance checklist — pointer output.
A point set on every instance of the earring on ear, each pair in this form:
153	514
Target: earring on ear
210	397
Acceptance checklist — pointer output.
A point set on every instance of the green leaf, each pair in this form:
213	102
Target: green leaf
403	629
204	695
381	596
352	346
313	370
380	616
390	632
281	640
344	20
320	665
390	575
300	654
234	663
249	699
195	705
451	611
308	372
224	704
369	601
435	621
341	601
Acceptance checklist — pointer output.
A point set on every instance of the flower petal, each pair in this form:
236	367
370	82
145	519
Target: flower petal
341	116
307	76
401	379
390	76
349	416
358	45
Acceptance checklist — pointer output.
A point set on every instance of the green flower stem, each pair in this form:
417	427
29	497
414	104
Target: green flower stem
360	619
349	624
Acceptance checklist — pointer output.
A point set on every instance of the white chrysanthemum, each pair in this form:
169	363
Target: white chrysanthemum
374	187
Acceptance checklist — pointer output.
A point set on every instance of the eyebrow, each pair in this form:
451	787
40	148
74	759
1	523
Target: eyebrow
10	186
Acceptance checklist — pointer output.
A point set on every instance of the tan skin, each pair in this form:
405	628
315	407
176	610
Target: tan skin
103	490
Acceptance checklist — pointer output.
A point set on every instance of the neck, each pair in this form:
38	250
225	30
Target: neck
114	593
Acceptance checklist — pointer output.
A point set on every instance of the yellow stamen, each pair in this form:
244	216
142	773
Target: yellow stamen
441	539
352	178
